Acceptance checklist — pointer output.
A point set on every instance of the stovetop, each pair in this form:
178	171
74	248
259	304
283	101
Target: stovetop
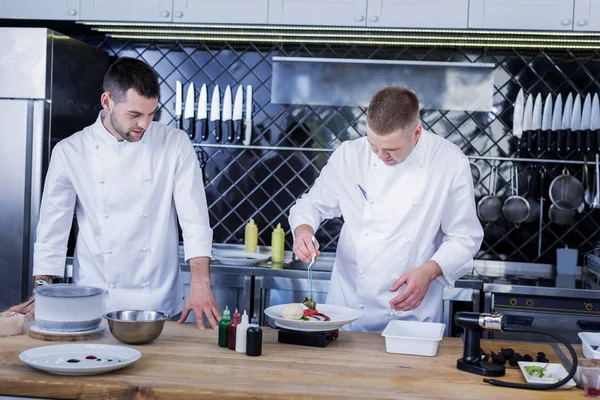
554	281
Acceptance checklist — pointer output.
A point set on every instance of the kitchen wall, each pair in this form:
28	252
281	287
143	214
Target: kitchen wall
244	184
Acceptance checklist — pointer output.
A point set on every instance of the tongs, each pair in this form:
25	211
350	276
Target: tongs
312	263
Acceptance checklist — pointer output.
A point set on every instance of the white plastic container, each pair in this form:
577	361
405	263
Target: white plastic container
589	339
412	337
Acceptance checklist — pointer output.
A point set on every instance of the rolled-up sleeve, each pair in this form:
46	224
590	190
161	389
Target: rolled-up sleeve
461	229
56	217
190	202
322	200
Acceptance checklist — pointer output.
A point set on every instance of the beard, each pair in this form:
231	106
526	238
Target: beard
122	131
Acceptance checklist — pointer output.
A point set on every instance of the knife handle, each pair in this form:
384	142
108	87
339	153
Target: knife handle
230	131
569	137
588	140
239	130
192	129
549	140
539	140
529	133
598	140
179	123
579	141
203	129
218	131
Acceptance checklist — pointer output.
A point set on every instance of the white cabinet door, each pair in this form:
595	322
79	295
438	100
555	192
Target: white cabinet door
39	9
418	13
587	15
318	12
221	11
521	14
127	10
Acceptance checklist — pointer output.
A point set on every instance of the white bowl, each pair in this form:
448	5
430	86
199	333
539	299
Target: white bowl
413	337
589	339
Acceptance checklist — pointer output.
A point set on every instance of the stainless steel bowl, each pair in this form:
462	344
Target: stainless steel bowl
136	327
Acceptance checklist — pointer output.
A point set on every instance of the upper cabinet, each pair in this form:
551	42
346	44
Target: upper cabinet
418	13
221	11
521	14
318	12
587	15
127	10
40	9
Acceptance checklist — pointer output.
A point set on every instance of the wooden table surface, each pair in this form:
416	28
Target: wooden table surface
186	363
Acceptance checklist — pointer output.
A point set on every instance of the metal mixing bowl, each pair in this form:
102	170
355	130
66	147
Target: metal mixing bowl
136	327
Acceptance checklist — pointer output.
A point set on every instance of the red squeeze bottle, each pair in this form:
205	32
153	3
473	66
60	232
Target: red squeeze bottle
232	330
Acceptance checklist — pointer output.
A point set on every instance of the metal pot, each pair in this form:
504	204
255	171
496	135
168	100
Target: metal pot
68	308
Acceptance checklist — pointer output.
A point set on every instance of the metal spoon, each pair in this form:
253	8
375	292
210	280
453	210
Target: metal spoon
581	207
588	197
596	202
312	263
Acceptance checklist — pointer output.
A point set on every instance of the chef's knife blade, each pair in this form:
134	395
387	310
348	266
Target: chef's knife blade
203	113
527	118
189	110
575	121
227	114
586	122
518	118
556	120
178	105
215	110
248	133
595	126
238	105
546	122
566	122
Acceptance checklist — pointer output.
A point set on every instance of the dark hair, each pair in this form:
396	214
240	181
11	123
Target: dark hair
391	109
130	73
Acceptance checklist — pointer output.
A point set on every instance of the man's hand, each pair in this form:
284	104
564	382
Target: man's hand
27	308
303	246
417	282
201	300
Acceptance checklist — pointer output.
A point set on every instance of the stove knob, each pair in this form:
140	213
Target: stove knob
513	302
529	303
589	306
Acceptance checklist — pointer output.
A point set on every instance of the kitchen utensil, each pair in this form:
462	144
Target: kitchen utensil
413	337
136	327
489	208
566	124
312	263
237	114
561	217
556	121
527	121
566	192
189	110
215	110
203	113
27	303
595	124
515	208
178	105
227	114
475	173
588	196
546	124
57	359
68	308
586	122
248	133
575	123
533	196
339	316
518	119
596	202
581	207
541	210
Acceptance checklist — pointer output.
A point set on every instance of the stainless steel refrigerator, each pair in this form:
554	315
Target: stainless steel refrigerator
50	87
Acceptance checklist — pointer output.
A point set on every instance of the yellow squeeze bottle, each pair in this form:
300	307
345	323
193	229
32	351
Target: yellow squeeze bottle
251	237
277	244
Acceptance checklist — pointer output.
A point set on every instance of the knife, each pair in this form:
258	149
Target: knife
586	121
202	113
215	108
227	114
178	105
556	120
238	104
536	121
566	122
189	110
575	120
527	116
595	126
518	119
546	122
248	133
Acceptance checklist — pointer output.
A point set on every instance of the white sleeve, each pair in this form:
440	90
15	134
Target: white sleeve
190	202
56	217
462	231
322	200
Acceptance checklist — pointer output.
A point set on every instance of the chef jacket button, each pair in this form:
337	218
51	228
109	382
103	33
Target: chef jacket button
366	234
361	272
415	203
144	249
112	286
361	306
406	240
101	181
144	215
144	284
108	251
105	216
96	147
146	178
144	141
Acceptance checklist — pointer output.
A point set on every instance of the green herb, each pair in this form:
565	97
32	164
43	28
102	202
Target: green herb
310	303
535	370
304	319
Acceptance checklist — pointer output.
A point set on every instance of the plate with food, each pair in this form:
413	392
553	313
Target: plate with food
539	372
238	257
309	317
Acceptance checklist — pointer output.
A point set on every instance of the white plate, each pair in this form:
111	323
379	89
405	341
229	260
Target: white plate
54	359
555	370
339	315
238	257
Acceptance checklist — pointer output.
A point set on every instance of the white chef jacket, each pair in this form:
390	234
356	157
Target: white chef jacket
419	210
128	198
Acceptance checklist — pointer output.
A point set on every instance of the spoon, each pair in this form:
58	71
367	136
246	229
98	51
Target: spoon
581	207
312	263
588	193
596	202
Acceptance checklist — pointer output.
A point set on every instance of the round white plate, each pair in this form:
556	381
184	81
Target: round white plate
339	315
237	257
54	359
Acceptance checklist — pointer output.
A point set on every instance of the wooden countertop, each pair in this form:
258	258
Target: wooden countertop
185	363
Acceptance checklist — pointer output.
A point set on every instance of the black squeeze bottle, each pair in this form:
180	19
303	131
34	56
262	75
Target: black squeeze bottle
254	339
